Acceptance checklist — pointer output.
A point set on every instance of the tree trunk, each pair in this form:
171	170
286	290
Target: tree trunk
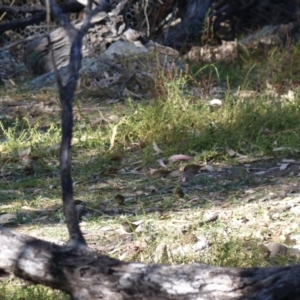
87	275
191	27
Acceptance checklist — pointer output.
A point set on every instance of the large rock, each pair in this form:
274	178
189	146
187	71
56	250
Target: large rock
128	64
121	49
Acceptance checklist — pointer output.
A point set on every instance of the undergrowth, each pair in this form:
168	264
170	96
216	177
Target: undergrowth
177	121
16	290
180	123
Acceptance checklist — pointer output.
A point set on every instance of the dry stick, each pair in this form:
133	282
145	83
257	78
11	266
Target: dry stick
171	19
146	17
22	23
23	41
12	9
66	95
4	14
36	18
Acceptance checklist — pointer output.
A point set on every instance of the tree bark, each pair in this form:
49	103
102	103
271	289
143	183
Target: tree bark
87	275
191	27
38	56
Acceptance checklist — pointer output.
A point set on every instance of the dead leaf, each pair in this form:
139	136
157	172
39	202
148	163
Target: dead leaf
290	95
113	136
175	173
208	168
112	101
189	238
114	118
24	156
161	253
200	244
285	148
6	207
36	191
260	173
177	157
43	218
156	148
161	163
98	186
17	192
230	152
289	241
210	218
28	208
285	160
141	245
12	82
283	166
137	162
194	199
215	102
128	227
264	250
74	141
152	189
250	191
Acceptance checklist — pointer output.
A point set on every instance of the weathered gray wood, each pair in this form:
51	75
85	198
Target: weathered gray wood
88	275
38	58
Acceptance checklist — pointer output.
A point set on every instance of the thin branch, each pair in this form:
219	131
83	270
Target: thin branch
13	9
32	37
38	17
146	17
20	24
66	95
4	14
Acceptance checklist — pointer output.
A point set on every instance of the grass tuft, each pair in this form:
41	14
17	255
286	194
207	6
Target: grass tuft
115	151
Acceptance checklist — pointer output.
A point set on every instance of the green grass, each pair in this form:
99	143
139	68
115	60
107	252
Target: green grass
180	124
16	290
114	157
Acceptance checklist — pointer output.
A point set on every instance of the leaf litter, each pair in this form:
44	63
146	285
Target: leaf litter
163	211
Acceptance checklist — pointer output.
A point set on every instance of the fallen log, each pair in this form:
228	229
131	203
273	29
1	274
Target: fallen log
85	274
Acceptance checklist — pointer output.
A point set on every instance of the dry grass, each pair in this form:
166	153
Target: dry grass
233	171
